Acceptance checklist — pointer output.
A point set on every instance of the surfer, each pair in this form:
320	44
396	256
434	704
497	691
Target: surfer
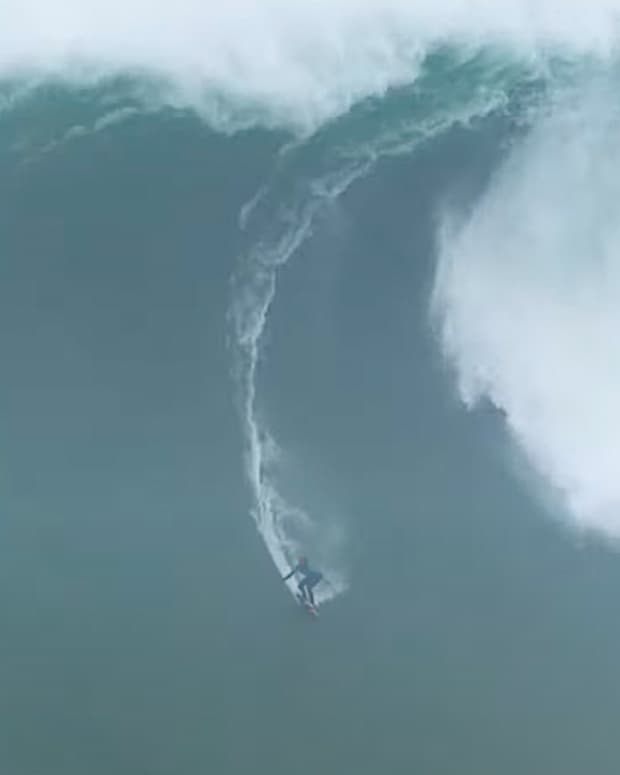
309	579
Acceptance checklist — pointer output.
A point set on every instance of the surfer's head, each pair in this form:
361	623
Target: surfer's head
302	560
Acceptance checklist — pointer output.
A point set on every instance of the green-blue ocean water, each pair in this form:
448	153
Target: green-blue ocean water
145	628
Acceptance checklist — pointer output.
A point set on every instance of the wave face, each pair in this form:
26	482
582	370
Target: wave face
527	285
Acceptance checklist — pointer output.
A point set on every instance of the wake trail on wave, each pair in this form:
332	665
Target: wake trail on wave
278	220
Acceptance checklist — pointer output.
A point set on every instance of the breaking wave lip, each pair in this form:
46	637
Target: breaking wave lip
281	64
278	220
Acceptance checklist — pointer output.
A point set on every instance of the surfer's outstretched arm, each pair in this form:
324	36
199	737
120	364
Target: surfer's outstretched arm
288	576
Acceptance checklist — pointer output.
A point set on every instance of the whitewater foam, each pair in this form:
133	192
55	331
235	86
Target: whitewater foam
527	297
296	65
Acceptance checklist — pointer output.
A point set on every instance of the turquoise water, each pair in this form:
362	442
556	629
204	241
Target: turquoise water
198	327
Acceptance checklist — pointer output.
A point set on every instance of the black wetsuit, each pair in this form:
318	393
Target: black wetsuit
310	578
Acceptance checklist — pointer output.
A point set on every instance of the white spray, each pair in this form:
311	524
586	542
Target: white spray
528	301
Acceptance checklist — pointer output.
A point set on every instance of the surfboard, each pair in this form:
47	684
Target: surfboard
311	609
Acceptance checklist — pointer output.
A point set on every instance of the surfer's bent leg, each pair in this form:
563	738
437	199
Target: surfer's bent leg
316	578
303	589
311	582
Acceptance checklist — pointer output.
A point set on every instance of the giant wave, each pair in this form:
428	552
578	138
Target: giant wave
527	285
